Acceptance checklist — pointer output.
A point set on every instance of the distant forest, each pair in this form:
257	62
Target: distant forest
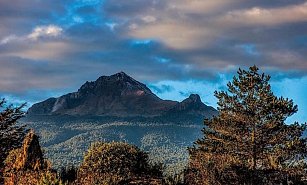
248	142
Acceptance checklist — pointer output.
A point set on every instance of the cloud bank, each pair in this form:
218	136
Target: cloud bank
46	46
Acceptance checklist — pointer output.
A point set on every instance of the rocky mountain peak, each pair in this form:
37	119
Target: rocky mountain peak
193	101
119	83
121	76
195	98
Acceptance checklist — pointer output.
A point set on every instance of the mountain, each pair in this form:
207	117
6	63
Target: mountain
119	95
118	108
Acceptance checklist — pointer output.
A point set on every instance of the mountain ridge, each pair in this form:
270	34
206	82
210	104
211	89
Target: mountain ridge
118	95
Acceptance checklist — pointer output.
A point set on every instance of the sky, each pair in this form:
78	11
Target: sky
176	47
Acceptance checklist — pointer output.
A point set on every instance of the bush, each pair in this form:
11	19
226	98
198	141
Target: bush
116	163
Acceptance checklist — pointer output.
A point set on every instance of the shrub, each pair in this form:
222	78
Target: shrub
115	163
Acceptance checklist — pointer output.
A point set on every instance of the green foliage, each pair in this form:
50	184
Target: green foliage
249	134
115	162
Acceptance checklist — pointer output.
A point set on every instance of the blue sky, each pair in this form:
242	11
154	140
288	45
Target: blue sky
177	47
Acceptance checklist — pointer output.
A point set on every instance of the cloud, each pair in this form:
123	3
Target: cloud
191	24
184	38
223	35
196	38
39	32
8	39
267	17
149	19
45	31
20	75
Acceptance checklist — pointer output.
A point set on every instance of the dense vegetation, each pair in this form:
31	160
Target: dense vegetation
247	143
65	143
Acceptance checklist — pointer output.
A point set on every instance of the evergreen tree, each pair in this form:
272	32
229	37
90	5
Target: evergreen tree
249	134
11	136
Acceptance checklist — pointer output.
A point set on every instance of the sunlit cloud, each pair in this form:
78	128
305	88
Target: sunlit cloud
50	31
45	31
267	17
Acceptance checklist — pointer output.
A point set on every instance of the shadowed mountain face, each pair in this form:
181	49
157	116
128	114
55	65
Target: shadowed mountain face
118	95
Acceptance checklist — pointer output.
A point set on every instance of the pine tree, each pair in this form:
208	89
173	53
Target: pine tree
11	136
249	133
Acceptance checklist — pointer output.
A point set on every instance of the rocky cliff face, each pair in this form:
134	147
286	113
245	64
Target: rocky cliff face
116	95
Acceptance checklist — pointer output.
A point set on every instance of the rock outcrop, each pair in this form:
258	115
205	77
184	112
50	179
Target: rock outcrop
26	165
